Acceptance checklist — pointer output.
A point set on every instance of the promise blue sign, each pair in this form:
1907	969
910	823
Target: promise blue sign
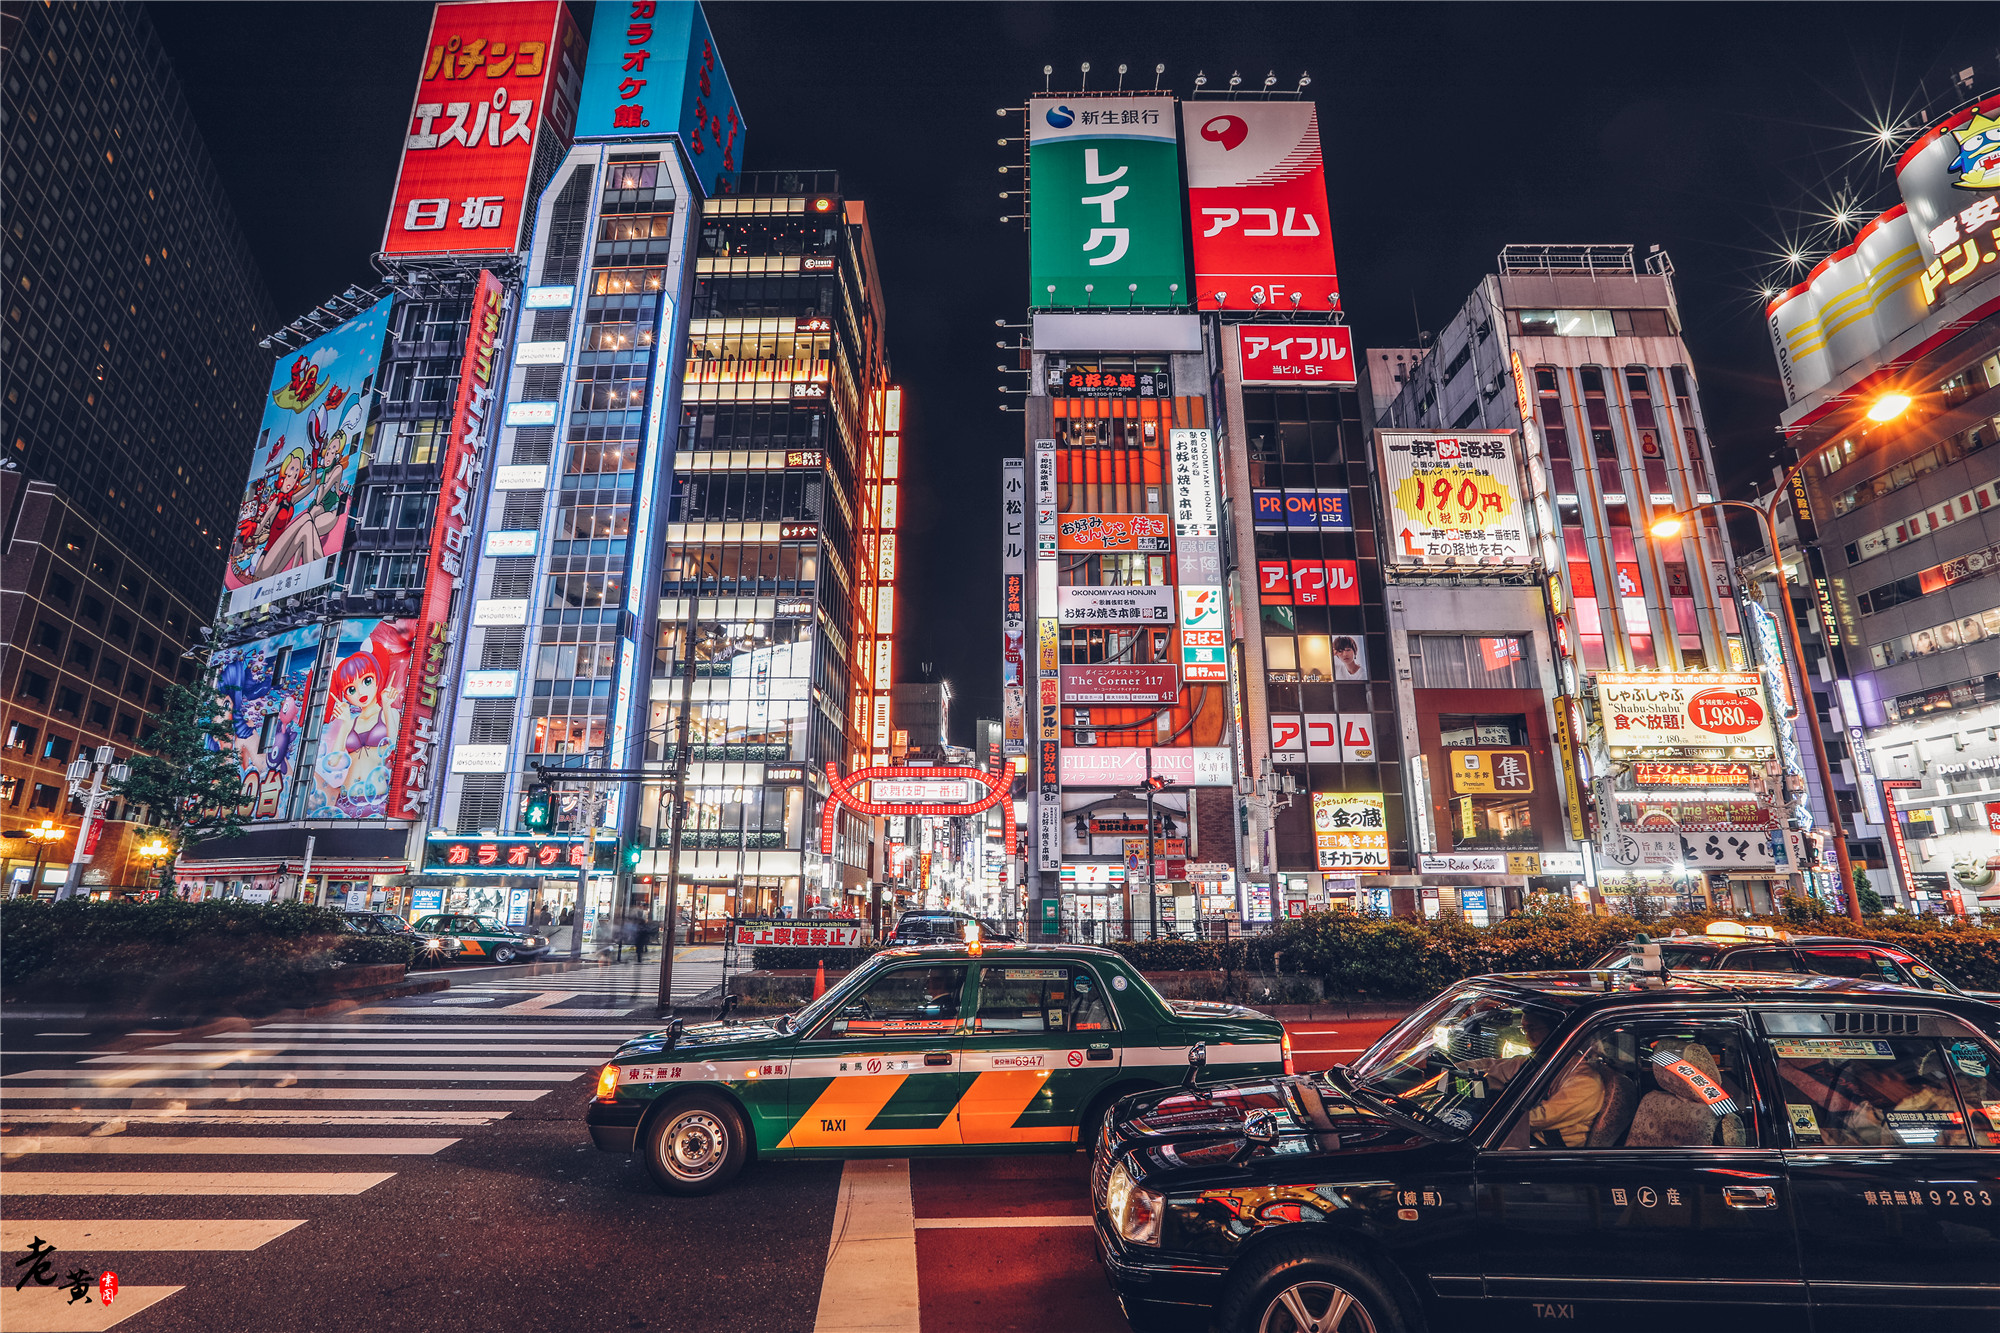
1275	511
653	72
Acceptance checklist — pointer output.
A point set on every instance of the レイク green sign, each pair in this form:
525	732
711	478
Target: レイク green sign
1105	203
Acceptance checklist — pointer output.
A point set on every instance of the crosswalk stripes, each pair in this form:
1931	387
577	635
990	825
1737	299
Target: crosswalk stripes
102	1124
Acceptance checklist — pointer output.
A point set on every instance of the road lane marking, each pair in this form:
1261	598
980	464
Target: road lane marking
871	1260
182	1116
132	1077
525	1046
236	1057
981	1223
95	1234
132	1184
14	1145
464	1010
47	1309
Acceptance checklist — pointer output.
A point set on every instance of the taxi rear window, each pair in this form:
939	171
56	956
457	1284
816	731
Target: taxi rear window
1912	1081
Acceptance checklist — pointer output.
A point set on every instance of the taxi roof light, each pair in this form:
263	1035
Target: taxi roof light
1742	930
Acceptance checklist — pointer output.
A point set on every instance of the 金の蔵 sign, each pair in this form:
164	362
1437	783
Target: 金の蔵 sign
1350	832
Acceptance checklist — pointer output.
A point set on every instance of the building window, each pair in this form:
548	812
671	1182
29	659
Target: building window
93	610
56	749
100	715
45	797
20	738
69	701
127	725
410	442
1463	661
47	636
434	380
34	685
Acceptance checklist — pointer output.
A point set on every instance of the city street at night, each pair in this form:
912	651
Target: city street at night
1019	666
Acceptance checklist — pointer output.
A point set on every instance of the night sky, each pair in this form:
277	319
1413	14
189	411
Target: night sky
1719	132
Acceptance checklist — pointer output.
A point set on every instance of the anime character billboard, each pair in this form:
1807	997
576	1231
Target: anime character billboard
367	684
263	689
293	518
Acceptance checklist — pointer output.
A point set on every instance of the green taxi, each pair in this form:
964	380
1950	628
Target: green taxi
951	1049
468	937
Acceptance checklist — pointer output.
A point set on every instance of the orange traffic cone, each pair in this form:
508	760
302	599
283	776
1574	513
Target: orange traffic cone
819	980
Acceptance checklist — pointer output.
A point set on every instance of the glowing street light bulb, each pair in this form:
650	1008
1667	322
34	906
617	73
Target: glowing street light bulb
1667	525
1889	406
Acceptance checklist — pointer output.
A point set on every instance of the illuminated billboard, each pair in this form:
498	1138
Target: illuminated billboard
366	694
1350	833
1263	239
1685	710
496	78
292	521
1452	498
654	71
1105	195
263	687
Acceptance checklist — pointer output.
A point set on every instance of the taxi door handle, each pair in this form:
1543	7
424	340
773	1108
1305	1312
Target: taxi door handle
1749	1196
1098	1053
937	1058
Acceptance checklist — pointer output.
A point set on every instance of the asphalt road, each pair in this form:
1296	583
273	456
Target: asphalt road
422	1165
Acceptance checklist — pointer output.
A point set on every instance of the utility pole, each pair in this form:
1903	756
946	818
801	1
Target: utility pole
665	999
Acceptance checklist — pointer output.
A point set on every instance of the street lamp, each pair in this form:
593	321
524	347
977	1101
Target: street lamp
152	854
1671	525
95	768
43	836
1888	407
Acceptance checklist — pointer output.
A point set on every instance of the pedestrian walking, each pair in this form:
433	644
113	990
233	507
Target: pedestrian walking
642	935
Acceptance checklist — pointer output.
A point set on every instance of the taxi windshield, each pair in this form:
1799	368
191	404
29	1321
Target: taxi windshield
835	994
1676	957
1450	1059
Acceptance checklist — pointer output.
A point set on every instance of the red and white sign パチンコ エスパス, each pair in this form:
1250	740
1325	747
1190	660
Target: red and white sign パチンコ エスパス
495	78
1257	200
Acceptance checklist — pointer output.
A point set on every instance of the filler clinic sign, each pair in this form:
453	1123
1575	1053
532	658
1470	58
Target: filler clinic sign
654	71
1257	196
496	78
1105	195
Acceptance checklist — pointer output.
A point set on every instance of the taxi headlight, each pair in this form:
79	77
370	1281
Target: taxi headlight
1135	1212
607	1083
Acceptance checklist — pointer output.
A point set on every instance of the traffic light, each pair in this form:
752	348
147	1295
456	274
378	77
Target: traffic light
540	812
632	856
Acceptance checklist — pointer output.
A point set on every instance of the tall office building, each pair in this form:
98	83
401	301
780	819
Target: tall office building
342	576
132	389
1575	352
1890	357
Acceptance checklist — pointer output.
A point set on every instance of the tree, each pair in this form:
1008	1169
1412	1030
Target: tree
191	780
1864	893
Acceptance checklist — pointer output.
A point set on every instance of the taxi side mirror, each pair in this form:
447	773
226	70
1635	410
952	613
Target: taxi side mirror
1197	1061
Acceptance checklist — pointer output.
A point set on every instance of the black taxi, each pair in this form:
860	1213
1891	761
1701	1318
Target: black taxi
1734	946
1591	1150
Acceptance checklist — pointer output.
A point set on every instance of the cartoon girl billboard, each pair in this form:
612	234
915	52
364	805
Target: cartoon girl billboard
261	689
363	721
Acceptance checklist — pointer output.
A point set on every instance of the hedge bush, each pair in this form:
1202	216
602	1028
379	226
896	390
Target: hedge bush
1398	958
169	952
771	957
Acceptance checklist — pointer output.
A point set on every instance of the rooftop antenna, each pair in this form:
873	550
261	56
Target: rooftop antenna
1048	71
1121	76
1081	87
1159	72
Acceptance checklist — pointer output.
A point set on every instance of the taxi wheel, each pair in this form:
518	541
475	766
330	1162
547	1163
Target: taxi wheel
503	954
696	1144
1301	1287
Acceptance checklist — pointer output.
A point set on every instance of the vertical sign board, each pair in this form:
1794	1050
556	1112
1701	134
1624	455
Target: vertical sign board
1197	532
292	521
1105	193
1257	197
497	77
1013	604
464	458
654	71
